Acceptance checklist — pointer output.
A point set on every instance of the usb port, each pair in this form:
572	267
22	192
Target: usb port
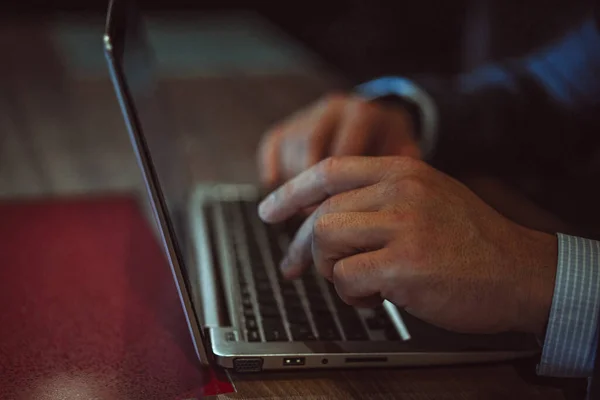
293	361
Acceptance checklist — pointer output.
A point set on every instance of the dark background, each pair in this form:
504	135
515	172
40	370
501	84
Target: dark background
366	38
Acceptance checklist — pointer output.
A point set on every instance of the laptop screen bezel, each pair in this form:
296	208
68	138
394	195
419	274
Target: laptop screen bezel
120	12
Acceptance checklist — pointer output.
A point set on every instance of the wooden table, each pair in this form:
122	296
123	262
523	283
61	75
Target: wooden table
61	132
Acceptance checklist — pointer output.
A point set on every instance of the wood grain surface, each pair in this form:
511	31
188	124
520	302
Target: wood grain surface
62	135
501	381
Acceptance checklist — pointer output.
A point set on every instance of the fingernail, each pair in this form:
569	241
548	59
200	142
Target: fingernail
285	263
265	206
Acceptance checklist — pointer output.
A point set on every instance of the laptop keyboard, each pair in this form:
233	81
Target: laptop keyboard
275	309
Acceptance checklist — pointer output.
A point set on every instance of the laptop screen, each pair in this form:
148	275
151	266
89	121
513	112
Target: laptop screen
152	110
158	147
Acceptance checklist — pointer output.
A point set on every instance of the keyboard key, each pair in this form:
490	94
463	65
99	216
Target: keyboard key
263	286
274	330
267	311
353	328
319	306
294	308
259	274
350	319
276	252
289	292
245	291
251	323
297	318
375	323
248	312
292	302
246	302
356	335
323	318
253	335
391	333
327	330
302	332
266	298
383	319
312	288
256	259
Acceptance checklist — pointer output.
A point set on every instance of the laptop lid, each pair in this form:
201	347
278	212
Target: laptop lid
163	168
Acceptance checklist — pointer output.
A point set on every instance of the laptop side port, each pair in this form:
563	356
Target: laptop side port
247	364
294	361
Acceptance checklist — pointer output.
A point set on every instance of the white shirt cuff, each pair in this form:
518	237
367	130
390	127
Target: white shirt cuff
570	343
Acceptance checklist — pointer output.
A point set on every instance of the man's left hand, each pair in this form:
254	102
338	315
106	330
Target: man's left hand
394	228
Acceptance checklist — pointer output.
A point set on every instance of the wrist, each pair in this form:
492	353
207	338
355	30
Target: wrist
535	280
410	109
414	98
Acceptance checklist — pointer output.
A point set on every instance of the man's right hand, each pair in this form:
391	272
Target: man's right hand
337	125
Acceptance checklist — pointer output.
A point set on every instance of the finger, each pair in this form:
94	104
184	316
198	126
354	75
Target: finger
299	254
396	142
307	211
361	277
293	150
310	136
352	200
337	236
268	157
359	121
327	117
364	302
328	178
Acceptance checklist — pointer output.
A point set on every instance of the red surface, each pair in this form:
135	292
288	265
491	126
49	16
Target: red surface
88	307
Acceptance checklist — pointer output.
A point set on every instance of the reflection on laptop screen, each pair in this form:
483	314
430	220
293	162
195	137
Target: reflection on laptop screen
151	109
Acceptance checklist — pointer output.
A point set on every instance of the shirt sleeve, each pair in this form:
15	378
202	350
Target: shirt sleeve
540	108
570	344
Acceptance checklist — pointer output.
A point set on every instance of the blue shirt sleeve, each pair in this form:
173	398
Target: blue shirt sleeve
570	343
543	104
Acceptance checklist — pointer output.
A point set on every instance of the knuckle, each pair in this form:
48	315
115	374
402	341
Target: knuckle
415	186
329	206
389	190
322	226
326	170
408	164
342	278
409	187
334	98
362	107
397	217
329	165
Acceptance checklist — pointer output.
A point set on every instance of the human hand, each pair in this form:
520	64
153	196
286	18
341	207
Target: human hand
394	228
337	125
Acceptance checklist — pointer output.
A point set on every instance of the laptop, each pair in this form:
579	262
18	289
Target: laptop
241	313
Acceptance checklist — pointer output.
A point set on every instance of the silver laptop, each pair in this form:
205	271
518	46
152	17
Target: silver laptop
241	313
